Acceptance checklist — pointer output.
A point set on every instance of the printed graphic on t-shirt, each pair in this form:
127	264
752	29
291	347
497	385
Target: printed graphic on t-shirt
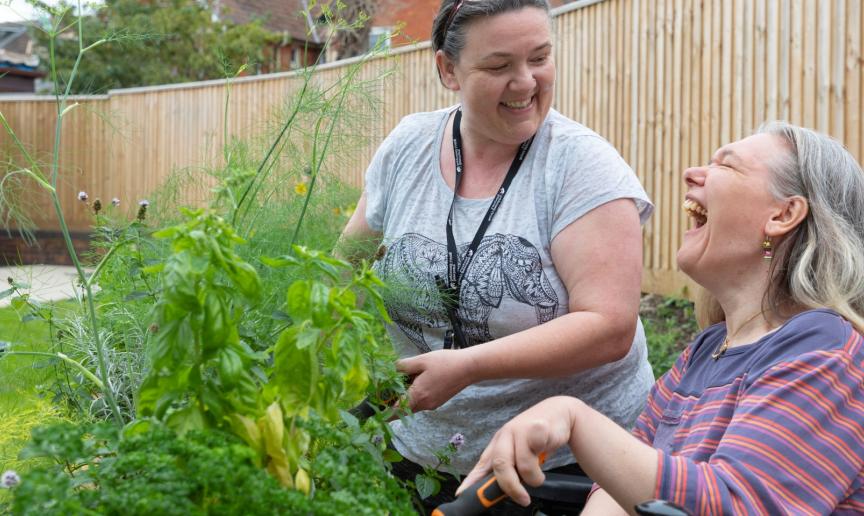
505	265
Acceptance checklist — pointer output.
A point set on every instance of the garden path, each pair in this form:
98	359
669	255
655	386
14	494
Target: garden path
47	282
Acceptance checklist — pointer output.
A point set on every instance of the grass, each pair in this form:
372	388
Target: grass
21	407
20	374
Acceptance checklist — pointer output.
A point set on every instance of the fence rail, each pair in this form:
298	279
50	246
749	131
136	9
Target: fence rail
666	81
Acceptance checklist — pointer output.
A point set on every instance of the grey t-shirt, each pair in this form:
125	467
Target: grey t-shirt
511	285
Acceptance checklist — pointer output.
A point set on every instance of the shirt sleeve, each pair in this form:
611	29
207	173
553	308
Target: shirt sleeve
594	174
376	187
793	446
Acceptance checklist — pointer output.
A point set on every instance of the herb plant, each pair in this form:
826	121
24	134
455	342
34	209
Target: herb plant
187	371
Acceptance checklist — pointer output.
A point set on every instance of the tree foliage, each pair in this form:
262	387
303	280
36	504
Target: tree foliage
149	42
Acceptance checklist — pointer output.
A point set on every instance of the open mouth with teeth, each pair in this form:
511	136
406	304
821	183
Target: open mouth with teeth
696	211
518	104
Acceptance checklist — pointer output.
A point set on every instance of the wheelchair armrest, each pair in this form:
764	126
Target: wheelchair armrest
574	489
561	487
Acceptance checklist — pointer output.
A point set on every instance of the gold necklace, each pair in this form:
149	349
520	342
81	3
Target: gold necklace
725	344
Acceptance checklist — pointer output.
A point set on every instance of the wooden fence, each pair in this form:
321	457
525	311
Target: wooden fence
666	81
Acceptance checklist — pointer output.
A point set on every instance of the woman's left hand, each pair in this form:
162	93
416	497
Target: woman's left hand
437	377
514	452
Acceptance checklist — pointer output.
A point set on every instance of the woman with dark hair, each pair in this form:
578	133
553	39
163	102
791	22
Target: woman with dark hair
762	413
513	245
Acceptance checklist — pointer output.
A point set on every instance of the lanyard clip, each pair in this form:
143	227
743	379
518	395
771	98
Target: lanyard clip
448	339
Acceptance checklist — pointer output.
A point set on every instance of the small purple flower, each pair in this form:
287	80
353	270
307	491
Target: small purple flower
115	202
457	440
82	196
377	439
9	479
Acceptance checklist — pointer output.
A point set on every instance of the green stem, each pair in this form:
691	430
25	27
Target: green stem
64	228
256	178
225	154
104	260
91	308
316	160
37	175
74	363
141	264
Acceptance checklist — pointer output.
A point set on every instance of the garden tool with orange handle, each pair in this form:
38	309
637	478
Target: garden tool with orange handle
478	498
568	492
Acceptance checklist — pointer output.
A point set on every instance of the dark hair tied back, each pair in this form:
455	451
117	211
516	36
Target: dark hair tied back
454	16
453	10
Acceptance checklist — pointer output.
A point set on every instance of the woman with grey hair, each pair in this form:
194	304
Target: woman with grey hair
762	413
513	239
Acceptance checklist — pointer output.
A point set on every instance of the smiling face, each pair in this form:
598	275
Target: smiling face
504	75
731	207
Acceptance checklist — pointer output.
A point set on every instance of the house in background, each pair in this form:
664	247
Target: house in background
18	63
302	38
303	35
413	19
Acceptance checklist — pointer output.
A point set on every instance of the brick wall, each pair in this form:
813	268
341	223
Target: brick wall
417	16
50	249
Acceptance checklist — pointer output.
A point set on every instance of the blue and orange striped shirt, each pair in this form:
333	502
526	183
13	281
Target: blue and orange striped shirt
772	427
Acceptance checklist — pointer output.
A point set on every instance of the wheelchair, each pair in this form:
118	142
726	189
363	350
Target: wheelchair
560	494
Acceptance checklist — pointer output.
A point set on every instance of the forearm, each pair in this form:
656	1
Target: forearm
563	346
625	467
601	504
358	241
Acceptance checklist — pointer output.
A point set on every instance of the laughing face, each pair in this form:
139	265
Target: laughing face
505	76
731	207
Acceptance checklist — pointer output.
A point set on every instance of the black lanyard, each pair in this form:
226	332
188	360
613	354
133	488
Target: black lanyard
455	270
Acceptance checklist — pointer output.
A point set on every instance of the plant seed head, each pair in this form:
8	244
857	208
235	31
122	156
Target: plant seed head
9	479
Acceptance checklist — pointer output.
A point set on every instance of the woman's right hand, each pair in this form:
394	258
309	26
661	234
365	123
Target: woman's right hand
514	451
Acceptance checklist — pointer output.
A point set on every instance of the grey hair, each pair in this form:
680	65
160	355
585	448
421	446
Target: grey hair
450	38
821	262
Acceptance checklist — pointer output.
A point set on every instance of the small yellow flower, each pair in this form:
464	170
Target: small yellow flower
337	211
301	189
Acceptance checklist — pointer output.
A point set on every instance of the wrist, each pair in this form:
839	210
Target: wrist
576	413
472	365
